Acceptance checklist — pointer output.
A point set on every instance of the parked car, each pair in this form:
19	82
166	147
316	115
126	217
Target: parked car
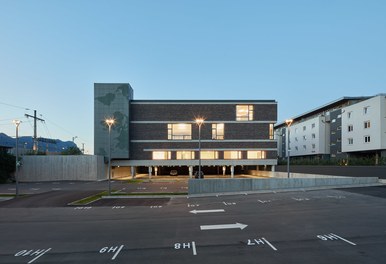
173	173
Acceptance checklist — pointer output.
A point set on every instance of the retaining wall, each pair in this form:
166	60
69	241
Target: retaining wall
207	186
62	168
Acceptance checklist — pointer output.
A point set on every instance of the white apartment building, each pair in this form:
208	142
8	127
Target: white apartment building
348	126
364	126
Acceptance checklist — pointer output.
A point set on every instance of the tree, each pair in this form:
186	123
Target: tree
72	151
7	166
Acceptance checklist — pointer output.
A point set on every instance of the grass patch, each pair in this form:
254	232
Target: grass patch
89	199
134	181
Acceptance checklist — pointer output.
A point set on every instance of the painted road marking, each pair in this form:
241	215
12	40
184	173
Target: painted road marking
156	206
193	205
32	252
207	211
141	188
82	208
264	201
187	245
300	199
332	236
113	249
118	207
229	203
56	189
163	188
261	241
225	226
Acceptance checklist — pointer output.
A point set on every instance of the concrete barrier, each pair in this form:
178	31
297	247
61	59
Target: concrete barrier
213	186
62	168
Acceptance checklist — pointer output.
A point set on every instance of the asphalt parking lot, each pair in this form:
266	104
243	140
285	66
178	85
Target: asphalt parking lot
324	226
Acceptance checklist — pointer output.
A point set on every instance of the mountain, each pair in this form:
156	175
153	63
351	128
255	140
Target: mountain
44	144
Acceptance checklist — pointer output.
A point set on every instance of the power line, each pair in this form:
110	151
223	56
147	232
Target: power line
16	106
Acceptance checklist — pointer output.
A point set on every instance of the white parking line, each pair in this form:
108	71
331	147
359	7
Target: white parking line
44	252
116	254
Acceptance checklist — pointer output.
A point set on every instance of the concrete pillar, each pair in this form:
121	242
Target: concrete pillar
224	169
150	171
132	170
232	171
191	172
273	168
156	171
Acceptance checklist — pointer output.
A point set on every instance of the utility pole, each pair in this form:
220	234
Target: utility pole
35	146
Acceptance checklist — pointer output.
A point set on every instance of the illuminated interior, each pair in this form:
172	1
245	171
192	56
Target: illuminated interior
256	154
244	112
218	131
209	154
180	131
232	154
161	155
185	155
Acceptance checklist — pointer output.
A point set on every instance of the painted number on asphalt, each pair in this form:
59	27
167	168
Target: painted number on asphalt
332	237
188	245
156	206
82	208
193	205
300	199
113	249
36	253
264	201
118	207
260	242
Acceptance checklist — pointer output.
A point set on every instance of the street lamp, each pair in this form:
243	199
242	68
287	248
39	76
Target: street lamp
109	122
199	122
17	123
288	123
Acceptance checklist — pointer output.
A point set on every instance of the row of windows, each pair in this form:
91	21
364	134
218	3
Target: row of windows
366	124
209	154
366	110
366	139
305	128
313	146
313	136
182	131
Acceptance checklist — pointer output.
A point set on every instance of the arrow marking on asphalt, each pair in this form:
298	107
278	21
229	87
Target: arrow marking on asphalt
228	226
207	211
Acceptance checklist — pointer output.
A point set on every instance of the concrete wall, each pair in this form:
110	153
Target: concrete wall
352	171
62	168
212	186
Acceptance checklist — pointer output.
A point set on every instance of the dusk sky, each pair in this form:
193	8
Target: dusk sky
303	54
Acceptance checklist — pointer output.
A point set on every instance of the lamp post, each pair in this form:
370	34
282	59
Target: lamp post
17	123
199	122
109	122
288	123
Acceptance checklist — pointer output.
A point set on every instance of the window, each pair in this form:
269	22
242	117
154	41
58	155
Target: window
296	130
232	154
296	148
313	135
256	154
350	128
349	114
161	155
296	138
244	112
209	154
367	139
217	131
366	110
350	141
313	125
313	146
304	137
180	131
185	155
367	124
270	131
304	147
304	128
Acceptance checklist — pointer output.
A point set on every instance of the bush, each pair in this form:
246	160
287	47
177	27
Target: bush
7	166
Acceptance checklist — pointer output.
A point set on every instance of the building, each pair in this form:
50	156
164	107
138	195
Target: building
158	136
347	127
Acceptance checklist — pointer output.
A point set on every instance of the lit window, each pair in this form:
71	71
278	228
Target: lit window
367	139
185	155
209	154
180	131
217	131
350	141
350	128
256	154
367	124
232	154
161	155
244	112
270	131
